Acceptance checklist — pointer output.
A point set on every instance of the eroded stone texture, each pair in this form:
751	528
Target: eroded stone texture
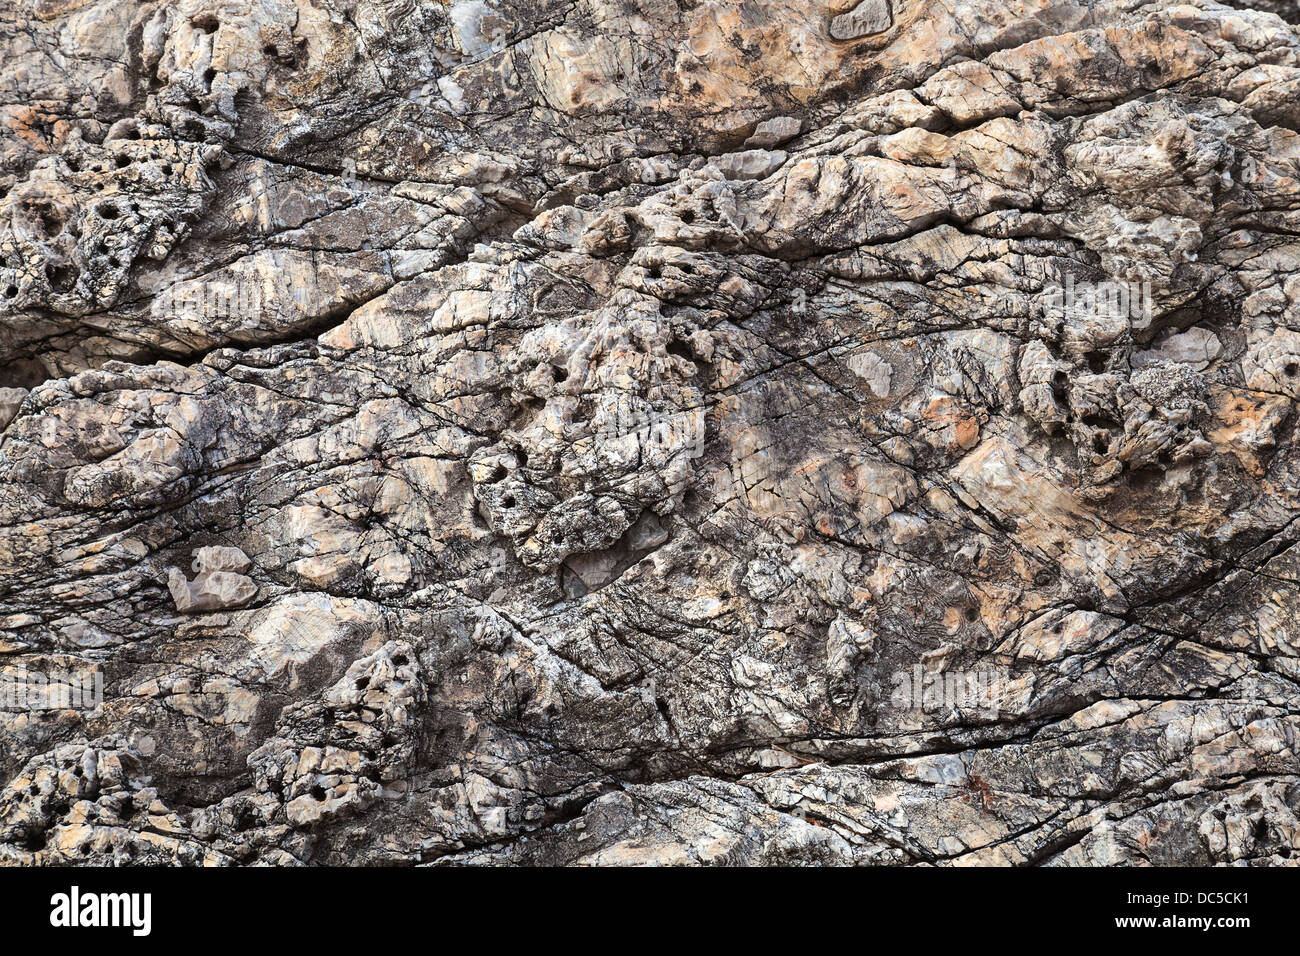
609	432
868	17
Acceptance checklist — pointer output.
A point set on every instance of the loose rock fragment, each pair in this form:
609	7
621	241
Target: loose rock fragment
868	17
218	583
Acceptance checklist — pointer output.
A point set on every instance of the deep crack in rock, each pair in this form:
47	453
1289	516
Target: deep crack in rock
487	432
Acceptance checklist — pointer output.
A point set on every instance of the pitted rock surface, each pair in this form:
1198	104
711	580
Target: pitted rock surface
651	432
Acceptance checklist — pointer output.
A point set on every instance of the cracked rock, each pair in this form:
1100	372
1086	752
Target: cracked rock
606	433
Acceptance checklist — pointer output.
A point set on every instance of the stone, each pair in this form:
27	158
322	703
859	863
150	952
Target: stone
485	432
867	18
10	401
750	164
774	132
218	583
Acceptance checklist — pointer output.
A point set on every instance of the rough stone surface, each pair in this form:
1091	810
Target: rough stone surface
640	431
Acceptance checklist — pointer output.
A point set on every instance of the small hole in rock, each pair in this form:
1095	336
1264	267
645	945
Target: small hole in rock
51	222
61	278
1060	386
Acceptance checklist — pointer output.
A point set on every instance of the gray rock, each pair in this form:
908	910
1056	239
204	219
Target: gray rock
868	17
774	132
552	433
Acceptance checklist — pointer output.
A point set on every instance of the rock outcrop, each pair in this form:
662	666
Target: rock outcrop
650	431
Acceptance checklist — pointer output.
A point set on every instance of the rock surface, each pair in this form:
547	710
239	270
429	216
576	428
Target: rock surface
649	431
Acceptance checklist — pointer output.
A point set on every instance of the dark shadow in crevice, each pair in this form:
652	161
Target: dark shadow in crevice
23	372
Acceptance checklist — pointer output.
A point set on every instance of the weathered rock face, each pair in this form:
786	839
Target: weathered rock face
649	431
